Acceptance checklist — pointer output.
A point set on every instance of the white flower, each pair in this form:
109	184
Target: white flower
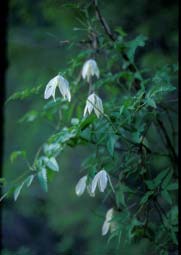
62	84
107	224
89	69
81	186
94	103
101	179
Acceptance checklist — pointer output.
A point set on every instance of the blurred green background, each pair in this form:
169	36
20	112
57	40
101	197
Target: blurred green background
58	222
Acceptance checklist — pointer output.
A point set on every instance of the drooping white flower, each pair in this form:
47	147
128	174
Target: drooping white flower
81	186
62	84
100	179
107	223
89	69
94	103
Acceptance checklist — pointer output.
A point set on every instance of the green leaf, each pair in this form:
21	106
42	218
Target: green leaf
160	177
42	176
172	186
18	190
150	101
25	93
139	41
167	180
120	31
146	197
16	154
29	180
150	184
166	196
111	144
29	116
52	149
52	164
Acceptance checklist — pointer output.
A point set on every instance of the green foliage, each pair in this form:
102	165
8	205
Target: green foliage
126	140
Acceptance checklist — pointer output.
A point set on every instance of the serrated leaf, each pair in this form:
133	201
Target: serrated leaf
18	190
42	176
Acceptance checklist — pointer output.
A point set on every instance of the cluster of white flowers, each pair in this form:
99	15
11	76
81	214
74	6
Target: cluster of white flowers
93	102
100	180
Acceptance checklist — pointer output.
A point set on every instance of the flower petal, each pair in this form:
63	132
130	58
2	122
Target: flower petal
50	88
63	85
109	214
94	183
105	228
102	180
98	109
89	191
81	185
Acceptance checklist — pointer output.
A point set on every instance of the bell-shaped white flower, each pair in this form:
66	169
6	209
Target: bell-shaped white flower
89	69
94	103
62	84
81	186
107	223
100	179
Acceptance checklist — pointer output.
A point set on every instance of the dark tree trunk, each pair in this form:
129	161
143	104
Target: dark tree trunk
3	67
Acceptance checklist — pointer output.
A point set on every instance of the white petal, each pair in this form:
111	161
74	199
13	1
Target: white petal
102	180
89	104
94	183
84	70
68	94
95	70
109	214
97	73
63	85
89	191
98	109
85	110
105	227
81	185
51	87
110	183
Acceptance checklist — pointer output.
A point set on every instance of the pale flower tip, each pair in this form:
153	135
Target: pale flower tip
105	228
81	185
